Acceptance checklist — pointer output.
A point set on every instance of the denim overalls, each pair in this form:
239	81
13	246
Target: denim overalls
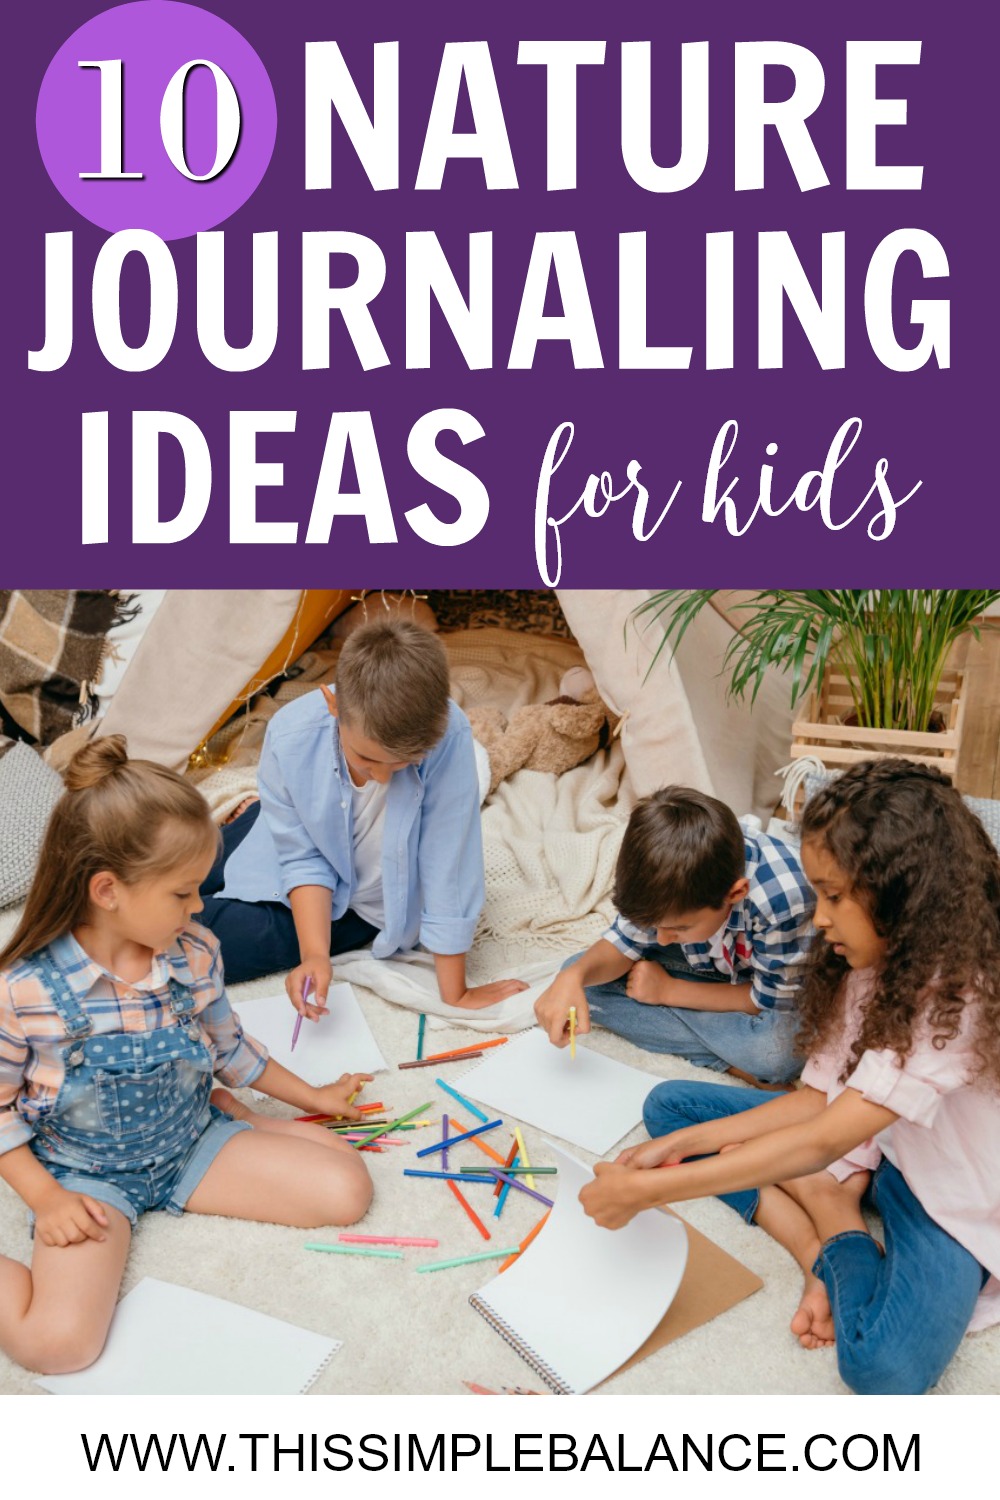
132	1124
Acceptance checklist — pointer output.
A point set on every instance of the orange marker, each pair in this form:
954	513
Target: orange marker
477	1140
501	1041
525	1242
470	1211
511	1155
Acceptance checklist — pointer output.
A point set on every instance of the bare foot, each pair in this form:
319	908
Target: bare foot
240	810
813	1320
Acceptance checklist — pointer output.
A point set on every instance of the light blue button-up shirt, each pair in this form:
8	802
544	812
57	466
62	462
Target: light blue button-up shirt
432	850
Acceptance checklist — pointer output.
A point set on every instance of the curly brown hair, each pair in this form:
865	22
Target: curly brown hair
923	866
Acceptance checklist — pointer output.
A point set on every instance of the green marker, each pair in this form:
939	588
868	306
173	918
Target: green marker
394	1125
526	1171
357	1250
467	1260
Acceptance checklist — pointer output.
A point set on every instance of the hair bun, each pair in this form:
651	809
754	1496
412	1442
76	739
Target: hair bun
96	761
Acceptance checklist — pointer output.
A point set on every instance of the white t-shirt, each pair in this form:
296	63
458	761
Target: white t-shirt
368	803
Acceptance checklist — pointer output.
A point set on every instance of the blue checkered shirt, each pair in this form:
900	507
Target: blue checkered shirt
766	936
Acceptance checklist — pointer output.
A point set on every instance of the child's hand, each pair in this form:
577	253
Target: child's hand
553	1005
478	996
319	969
663	1151
650	984
332	1098
63	1218
611	1199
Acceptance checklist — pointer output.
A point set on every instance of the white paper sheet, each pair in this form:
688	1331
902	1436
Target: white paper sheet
582	1299
590	1100
168	1340
341	1042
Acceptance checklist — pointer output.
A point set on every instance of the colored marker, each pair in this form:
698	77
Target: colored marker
421	1028
468	1135
385	1239
511	1159
464	1260
500	1041
454	1188
482	1176
572	1031
298	1019
444	1137
525	1171
526	1241
524	1154
466	1103
477	1140
432	1062
394	1124
503	1190
521	1186
357	1250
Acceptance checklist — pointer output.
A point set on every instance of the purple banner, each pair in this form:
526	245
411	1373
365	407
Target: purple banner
633	295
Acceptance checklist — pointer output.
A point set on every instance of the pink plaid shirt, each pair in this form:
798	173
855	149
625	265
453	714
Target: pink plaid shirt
33	1038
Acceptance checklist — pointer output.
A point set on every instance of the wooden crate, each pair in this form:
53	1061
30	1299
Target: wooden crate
823	733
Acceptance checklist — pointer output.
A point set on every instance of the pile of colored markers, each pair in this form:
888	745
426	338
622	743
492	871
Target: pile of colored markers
503	1173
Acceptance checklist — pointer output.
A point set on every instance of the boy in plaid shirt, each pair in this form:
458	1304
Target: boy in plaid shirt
705	956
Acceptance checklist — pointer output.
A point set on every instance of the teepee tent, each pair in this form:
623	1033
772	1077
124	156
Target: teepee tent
206	652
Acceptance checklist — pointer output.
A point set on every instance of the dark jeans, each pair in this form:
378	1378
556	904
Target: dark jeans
898	1317
258	937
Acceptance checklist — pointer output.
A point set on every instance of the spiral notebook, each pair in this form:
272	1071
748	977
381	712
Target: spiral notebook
168	1340
582	1303
340	1042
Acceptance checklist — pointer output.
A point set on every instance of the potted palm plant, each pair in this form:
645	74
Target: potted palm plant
870	665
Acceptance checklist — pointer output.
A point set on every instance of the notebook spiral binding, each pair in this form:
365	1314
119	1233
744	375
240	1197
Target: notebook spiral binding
312	1379
555	1382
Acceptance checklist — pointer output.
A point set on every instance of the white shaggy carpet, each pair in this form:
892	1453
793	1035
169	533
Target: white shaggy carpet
417	1334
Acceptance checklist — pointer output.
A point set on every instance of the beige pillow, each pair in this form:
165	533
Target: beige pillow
201	649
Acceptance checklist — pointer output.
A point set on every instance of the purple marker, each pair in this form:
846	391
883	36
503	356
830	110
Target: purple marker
298	1019
521	1186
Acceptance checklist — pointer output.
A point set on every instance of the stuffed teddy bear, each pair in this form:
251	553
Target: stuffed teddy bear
553	736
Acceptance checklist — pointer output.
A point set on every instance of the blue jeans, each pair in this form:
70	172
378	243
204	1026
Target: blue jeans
898	1317
762	1044
258	937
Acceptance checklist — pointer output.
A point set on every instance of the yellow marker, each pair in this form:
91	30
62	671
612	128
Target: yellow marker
572	1031
522	1149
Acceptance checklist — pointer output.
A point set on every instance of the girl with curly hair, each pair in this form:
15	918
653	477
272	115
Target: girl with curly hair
899	1104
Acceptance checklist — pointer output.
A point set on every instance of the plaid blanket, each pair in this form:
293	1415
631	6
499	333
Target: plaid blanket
52	644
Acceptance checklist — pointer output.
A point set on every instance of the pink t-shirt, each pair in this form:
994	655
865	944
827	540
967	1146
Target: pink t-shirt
946	1141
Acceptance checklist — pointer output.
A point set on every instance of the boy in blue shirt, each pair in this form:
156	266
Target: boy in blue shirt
705	957
367	828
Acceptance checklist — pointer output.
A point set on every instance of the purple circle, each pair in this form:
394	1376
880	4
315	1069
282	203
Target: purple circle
154	39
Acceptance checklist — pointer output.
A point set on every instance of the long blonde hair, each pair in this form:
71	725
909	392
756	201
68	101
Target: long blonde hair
131	817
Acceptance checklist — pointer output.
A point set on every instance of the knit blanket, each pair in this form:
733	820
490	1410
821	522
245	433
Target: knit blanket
52	644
